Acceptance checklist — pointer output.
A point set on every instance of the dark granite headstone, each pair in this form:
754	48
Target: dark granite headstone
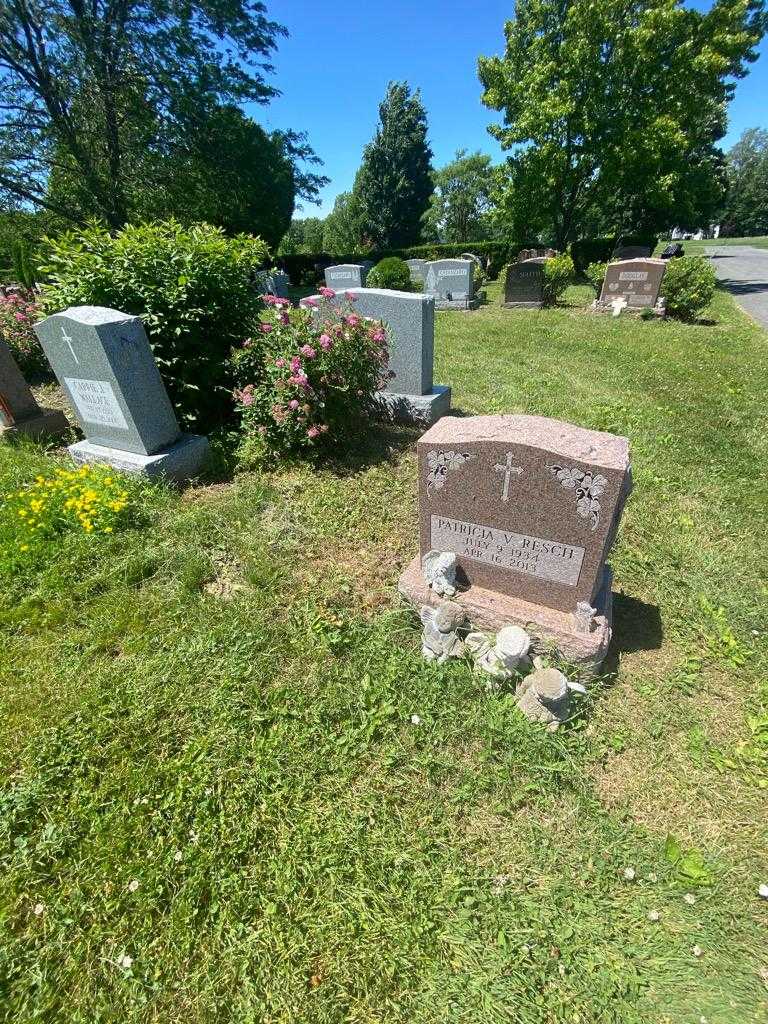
636	281
632	252
524	285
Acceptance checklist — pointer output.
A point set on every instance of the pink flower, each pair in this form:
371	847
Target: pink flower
20	317
350	296
293	404
325	342
295	364
310	302
327	293
284	319
312	433
246	398
353	319
280	363
308	351
266	328
271	300
379	335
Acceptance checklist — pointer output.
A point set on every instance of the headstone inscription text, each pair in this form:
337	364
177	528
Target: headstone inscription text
532	556
96	402
638	281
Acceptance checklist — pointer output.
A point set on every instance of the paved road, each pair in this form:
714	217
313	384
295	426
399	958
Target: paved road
744	272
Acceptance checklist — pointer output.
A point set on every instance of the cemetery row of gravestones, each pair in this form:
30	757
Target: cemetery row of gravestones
517	513
449	282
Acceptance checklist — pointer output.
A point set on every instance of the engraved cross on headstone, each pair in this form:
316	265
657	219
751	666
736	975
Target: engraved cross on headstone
507	469
68	340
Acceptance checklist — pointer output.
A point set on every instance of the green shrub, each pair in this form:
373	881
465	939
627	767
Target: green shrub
23	265
600	250
391	272
688	286
479	277
558	274
595	274
191	286
305	380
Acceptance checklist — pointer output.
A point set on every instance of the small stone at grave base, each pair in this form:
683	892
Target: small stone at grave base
548	627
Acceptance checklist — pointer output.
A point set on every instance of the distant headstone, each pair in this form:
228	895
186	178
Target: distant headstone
411	396
104	363
273	282
672	251
450	282
637	282
418	270
19	411
524	285
471	256
346	275
530	506
632	252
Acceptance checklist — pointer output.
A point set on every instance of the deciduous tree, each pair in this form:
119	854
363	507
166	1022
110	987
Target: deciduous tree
746	210
461	203
612	110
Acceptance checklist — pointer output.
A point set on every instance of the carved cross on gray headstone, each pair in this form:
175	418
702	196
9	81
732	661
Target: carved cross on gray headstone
507	469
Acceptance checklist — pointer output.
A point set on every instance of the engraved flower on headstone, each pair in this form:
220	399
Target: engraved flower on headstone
588	486
438	465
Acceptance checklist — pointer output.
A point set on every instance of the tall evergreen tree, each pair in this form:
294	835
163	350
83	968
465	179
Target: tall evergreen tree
394	182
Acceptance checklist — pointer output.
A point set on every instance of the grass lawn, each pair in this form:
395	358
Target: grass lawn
216	806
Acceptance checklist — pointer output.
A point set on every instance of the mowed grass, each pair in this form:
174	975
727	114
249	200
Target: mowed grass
210	764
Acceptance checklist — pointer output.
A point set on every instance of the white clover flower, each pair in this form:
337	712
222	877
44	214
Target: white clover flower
653	915
629	874
38	909
762	891
126	962
697	951
689	898
177	856
133	885
415	720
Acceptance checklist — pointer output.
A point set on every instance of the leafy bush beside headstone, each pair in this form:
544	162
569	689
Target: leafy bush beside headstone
191	286
558	274
595	274
304	380
392	273
17	314
688	286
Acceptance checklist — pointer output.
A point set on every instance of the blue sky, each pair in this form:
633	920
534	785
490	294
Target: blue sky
334	67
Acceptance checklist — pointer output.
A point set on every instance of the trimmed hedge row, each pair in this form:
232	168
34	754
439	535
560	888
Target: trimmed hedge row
306	269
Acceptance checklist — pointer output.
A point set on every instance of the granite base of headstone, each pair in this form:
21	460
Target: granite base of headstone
103	360
451	284
412	396
632	286
530	507
524	284
19	412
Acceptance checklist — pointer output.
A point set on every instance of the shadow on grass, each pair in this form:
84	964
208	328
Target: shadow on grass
637	626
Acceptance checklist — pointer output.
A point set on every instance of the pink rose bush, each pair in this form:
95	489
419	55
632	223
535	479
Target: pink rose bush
17	314
312	376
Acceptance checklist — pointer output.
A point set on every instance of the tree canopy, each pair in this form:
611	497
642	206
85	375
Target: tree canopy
746	209
612	111
460	205
394	183
123	108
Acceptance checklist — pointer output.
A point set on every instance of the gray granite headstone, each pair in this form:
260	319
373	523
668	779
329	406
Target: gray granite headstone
346	275
418	269
19	411
450	282
524	284
104	363
410	319
274	282
636	281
